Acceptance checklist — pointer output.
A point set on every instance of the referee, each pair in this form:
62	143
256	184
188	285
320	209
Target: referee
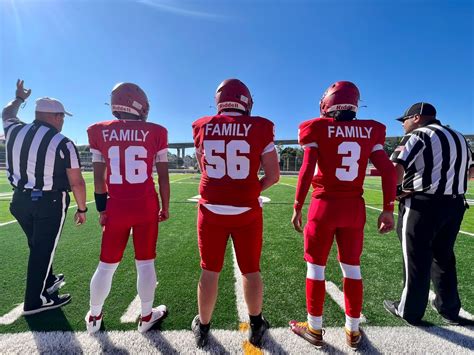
42	166
433	163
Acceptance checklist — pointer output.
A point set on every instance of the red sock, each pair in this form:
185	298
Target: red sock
315	292
353	291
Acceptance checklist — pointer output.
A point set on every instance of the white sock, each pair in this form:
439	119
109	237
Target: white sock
146	284
352	324
101	283
314	322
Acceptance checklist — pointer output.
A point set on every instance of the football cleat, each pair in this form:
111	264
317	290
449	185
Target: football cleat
201	336
391	307
93	323
456	320
303	330
57	284
156	316
256	333
52	303
353	338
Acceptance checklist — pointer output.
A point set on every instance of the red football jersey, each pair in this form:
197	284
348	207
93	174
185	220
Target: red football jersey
344	148
231	148
129	148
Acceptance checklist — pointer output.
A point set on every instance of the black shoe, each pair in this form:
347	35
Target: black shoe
57	284
201	336
391	307
449	320
256	333
52	303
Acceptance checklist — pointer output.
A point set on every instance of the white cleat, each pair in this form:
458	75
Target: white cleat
157	315
93	323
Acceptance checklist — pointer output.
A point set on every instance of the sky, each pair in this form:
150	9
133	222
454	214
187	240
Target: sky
287	52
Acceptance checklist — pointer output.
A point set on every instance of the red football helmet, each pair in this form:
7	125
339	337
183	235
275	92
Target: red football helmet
340	96
233	94
129	98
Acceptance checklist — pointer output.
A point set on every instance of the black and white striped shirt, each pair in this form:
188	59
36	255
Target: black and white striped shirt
436	160
37	155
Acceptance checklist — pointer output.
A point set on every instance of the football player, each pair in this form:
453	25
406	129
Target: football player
336	152
230	148
124	152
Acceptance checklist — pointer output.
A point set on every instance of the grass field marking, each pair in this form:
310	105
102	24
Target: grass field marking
282	183
338	297
393	340
396	214
185	178
239	291
14	221
132	312
462	312
12	316
6	194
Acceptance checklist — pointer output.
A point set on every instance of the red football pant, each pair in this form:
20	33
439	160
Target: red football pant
246	231
343	219
141	216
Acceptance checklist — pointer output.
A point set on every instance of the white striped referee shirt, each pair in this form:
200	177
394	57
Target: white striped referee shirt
436	160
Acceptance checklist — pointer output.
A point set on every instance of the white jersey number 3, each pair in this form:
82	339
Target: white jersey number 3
350	165
135	170
234	165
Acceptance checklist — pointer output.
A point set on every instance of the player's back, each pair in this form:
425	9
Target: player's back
129	148
344	148
231	149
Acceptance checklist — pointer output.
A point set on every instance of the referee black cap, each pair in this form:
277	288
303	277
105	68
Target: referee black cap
420	108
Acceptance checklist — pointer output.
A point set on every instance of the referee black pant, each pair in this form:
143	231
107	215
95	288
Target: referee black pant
427	228
42	221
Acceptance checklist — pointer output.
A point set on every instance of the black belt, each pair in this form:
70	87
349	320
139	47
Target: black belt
437	197
29	191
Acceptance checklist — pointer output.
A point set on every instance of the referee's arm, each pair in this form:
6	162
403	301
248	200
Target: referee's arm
10	111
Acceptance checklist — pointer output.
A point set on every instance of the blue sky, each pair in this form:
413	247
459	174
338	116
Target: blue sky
287	52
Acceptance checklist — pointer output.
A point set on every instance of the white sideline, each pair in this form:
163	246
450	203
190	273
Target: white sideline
387	340
338	297
396	214
462	312
14	221
239	291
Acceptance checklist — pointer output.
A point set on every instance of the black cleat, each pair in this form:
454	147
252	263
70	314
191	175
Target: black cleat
55	302
57	284
201	336
456	320
256	334
391	307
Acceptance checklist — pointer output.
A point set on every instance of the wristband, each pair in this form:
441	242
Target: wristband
20	98
297	206
100	201
82	211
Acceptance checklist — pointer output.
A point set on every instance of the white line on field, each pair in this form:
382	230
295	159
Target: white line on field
430	340
239	291
12	316
396	214
132	312
462	312
14	221
338	297
185	178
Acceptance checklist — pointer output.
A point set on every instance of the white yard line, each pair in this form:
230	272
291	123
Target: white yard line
239	291
338	297
462	312
12	316
132	312
14	221
389	340
396	214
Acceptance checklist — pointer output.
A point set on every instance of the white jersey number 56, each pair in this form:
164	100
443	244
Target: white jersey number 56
234	165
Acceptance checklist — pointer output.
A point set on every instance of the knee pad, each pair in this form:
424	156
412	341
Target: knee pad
351	271
315	272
